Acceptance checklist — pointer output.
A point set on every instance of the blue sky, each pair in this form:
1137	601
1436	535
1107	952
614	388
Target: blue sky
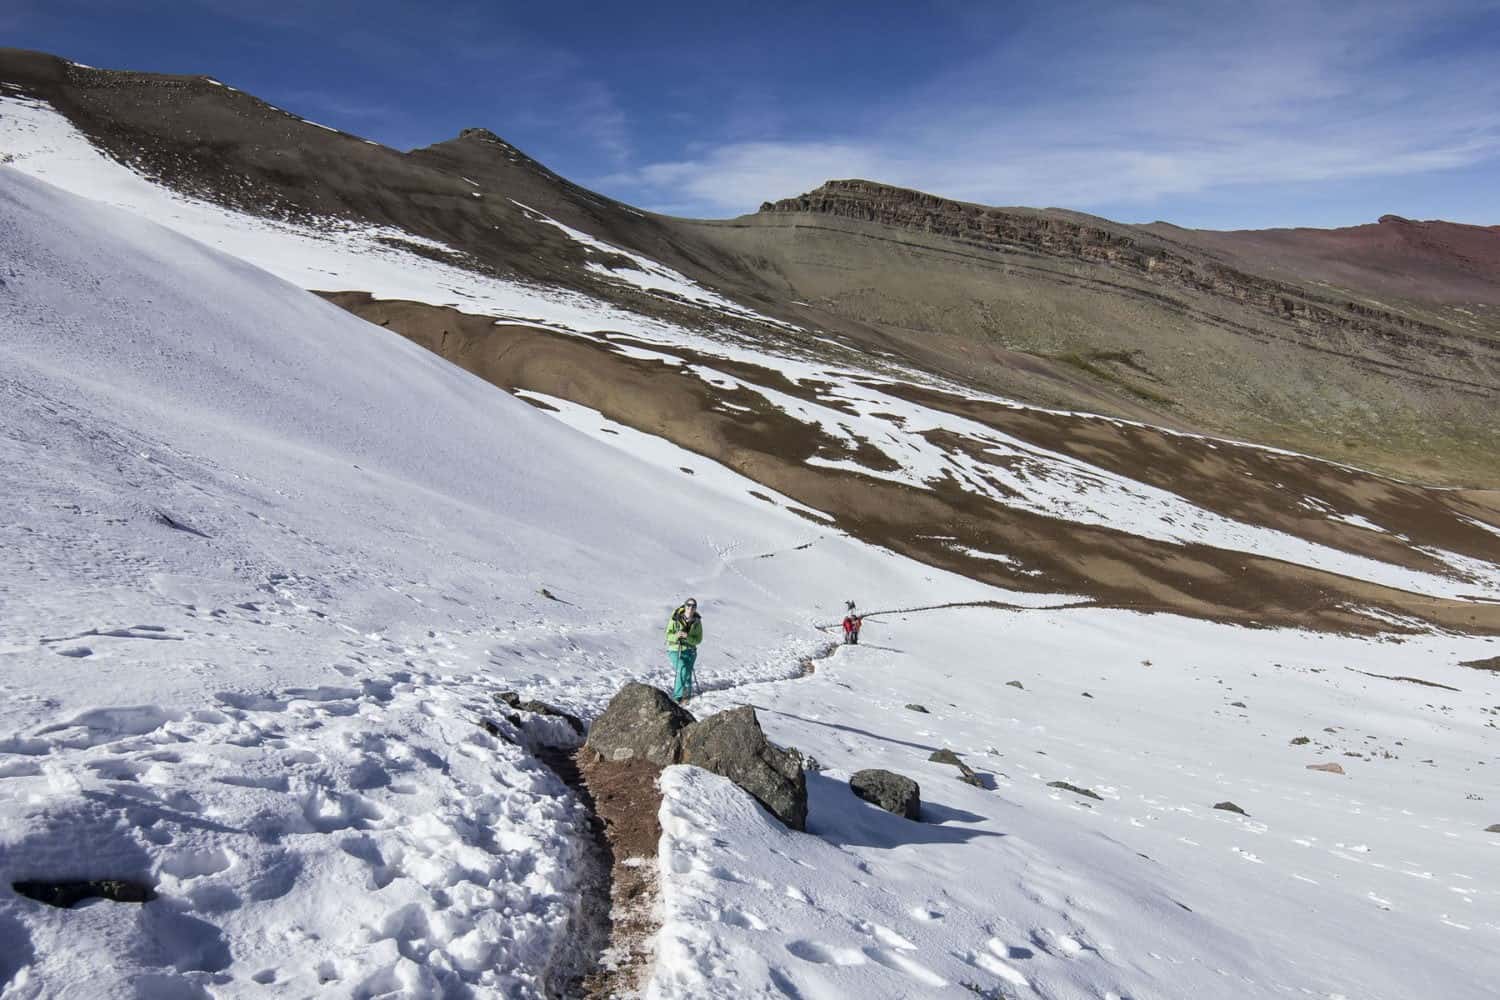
1220	115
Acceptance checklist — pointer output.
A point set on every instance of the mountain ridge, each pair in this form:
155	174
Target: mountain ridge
1274	336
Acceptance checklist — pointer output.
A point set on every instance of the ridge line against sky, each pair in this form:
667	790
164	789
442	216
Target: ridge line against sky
1213	115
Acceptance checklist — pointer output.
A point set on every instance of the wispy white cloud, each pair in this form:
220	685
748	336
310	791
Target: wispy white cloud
726	176
1132	104
338	104
552	91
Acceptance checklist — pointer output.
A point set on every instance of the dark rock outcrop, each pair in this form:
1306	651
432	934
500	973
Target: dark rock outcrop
966	773
640	722
1230	807
1076	790
67	894
917	708
890	791
732	744
539	708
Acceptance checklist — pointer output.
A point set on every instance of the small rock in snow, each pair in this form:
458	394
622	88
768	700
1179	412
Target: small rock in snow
966	773
1065	786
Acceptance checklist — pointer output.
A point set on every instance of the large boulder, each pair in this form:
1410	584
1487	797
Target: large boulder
732	744
640	723
890	791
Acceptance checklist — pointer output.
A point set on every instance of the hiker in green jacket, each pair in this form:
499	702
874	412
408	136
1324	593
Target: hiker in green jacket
684	632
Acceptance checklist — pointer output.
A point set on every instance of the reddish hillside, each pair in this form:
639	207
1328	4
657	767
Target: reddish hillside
1443	263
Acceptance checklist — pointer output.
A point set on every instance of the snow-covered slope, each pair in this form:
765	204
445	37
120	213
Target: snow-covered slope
1379	883
839	397
264	566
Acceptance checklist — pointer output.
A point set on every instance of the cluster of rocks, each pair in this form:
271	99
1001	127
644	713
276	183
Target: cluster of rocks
644	723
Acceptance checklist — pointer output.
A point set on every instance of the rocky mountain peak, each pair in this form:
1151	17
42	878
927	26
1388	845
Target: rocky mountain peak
483	135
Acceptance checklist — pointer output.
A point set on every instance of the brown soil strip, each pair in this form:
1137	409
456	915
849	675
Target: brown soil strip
618	907
772	447
625	802
1492	663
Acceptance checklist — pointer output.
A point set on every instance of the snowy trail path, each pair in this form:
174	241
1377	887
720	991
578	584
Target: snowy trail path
1016	888
410	850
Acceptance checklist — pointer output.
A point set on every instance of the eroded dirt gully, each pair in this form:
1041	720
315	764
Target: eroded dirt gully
618	909
740	429
618	902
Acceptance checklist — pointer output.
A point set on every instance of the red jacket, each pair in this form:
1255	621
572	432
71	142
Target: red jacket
851	623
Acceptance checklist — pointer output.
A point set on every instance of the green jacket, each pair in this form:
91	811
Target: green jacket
681	635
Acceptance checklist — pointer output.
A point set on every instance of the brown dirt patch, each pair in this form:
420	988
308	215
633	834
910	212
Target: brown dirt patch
772	447
627	802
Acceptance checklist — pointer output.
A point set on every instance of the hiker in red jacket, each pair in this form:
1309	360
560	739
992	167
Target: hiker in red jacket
852	622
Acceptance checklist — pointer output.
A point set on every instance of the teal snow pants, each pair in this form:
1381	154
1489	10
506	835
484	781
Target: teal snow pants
682	662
